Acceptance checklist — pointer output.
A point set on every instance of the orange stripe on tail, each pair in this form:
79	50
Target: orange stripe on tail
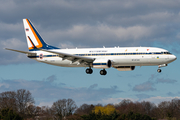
37	39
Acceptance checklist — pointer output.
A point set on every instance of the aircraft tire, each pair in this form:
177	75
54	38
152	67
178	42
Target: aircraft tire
159	70
89	71
103	72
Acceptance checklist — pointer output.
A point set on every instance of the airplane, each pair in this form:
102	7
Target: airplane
120	58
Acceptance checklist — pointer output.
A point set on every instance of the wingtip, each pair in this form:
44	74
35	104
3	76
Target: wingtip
7	49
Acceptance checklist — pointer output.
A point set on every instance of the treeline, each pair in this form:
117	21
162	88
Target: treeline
19	105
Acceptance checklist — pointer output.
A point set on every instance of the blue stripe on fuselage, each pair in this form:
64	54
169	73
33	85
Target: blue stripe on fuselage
105	54
99	63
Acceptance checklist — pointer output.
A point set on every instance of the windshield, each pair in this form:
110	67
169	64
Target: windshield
166	53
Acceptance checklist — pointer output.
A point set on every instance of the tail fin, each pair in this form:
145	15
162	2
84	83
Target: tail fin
34	40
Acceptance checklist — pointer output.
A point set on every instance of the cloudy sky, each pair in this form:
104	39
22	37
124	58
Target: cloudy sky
90	23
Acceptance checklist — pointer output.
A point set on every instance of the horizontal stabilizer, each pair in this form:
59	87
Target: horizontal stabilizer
25	52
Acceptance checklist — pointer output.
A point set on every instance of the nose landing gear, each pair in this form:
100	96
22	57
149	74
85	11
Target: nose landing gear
159	66
159	70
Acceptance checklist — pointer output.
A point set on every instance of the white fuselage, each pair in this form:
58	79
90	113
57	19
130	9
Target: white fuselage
120	56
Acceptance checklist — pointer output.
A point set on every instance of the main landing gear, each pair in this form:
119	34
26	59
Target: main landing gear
103	72
159	66
90	71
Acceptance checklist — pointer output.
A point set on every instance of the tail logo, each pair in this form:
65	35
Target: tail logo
41	56
27	29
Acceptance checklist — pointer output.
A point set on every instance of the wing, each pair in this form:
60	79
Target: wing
73	58
64	56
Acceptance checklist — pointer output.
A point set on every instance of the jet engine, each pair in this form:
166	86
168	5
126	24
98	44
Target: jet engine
102	63
125	68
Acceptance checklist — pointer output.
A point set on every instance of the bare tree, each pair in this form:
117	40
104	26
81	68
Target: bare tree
84	109
148	107
47	113
173	108
19	101
70	106
162	109
177	111
8	100
123	106
23	100
124	102
33	111
64	107
59	108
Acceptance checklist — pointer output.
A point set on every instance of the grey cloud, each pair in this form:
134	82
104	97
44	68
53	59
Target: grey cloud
51	78
12	36
153	77
108	34
47	91
83	23
177	51
147	86
11	30
176	47
93	86
171	94
88	11
10	57
167	80
143	96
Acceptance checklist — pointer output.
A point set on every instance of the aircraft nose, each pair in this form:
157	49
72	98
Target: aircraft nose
173	57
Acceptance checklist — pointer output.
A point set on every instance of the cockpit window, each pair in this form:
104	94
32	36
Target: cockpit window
166	53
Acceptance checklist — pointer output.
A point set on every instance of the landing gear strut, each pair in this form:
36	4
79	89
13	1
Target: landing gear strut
89	71
103	72
159	66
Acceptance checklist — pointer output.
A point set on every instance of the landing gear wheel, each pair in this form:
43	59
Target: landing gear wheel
103	72
159	70
89	71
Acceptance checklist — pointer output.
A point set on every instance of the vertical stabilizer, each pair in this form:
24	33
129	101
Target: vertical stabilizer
34	40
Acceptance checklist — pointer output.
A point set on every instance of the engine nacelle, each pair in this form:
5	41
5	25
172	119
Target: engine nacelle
102	64
125	68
